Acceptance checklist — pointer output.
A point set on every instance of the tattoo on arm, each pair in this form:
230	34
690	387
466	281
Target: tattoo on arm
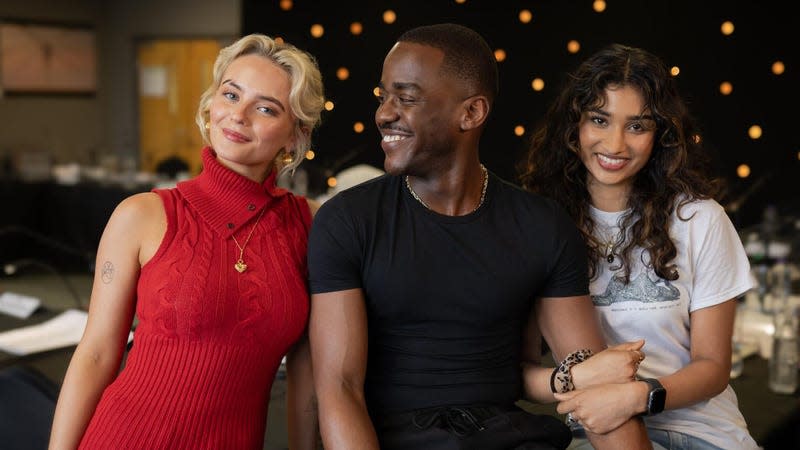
107	274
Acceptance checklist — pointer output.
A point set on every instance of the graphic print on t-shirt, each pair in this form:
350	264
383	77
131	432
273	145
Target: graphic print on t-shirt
641	289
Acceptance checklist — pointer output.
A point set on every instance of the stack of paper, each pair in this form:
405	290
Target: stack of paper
63	330
18	305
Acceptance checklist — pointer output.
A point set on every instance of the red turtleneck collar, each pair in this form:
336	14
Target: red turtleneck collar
225	199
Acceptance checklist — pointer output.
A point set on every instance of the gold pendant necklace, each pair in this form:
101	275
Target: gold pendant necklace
609	252
607	245
240	266
483	191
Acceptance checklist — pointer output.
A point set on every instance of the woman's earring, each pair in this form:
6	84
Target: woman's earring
208	125
287	157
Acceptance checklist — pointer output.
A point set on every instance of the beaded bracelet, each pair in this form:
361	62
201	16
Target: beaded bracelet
561	379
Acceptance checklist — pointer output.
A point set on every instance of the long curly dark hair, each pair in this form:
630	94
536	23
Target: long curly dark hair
677	171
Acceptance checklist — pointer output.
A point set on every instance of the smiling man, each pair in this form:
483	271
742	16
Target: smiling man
432	285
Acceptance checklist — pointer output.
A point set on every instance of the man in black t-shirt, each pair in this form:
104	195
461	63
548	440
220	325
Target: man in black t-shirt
433	284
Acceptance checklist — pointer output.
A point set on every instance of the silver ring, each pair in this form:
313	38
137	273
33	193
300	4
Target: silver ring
571	420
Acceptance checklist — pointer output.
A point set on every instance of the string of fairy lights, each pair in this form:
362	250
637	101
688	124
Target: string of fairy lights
372	27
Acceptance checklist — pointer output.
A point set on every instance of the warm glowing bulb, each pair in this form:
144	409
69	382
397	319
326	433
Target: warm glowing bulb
329	105
358	127
331	181
525	16
725	88
599	6
537	84
461	1
356	28
286	5
778	67
317	30
342	73
754	132
519	130
500	55
279	40
376	92
573	46
389	16
727	28
743	171
675	71
310	154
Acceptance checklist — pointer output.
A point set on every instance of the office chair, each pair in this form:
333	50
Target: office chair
26	411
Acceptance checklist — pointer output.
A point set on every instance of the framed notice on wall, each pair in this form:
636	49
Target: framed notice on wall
47	59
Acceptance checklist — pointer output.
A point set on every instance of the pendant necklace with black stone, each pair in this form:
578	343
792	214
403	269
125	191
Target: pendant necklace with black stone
607	245
609	252
240	266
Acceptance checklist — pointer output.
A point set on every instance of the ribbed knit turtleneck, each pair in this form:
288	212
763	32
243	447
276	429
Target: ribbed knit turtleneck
223	197
210	339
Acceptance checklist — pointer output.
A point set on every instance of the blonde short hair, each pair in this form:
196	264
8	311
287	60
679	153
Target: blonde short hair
306	98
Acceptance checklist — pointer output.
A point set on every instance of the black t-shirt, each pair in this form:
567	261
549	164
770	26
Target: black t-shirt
447	297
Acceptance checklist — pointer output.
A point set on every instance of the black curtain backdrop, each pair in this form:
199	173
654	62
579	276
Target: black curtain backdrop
685	33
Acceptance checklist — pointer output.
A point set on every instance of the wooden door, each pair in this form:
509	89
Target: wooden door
173	74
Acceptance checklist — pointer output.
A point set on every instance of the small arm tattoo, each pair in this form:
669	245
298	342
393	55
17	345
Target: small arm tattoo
107	274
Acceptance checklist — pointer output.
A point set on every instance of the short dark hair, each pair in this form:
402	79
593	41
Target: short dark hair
467	56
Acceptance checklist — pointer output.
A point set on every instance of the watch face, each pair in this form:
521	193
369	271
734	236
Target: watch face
656	400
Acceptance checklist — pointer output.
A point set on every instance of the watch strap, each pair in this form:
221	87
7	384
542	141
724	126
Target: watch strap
656	396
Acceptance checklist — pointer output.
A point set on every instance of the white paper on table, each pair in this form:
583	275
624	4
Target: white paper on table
63	330
18	305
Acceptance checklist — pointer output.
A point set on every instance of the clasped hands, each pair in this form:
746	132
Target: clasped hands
605	394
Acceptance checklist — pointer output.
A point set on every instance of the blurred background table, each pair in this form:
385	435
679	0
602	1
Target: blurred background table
55	223
773	419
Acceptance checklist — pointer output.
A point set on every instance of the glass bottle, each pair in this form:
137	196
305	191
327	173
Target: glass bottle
783	365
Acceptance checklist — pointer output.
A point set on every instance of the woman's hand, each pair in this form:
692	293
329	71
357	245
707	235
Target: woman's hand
600	409
617	364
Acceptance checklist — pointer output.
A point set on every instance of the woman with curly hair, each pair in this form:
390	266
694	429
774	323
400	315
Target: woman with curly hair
619	150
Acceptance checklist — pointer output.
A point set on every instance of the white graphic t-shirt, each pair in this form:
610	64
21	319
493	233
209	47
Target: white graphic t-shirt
712	268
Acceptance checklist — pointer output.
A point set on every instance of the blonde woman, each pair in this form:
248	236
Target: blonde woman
215	272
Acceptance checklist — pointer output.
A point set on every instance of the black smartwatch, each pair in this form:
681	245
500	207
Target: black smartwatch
655	398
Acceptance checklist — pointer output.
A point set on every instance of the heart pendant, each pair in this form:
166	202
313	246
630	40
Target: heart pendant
240	266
